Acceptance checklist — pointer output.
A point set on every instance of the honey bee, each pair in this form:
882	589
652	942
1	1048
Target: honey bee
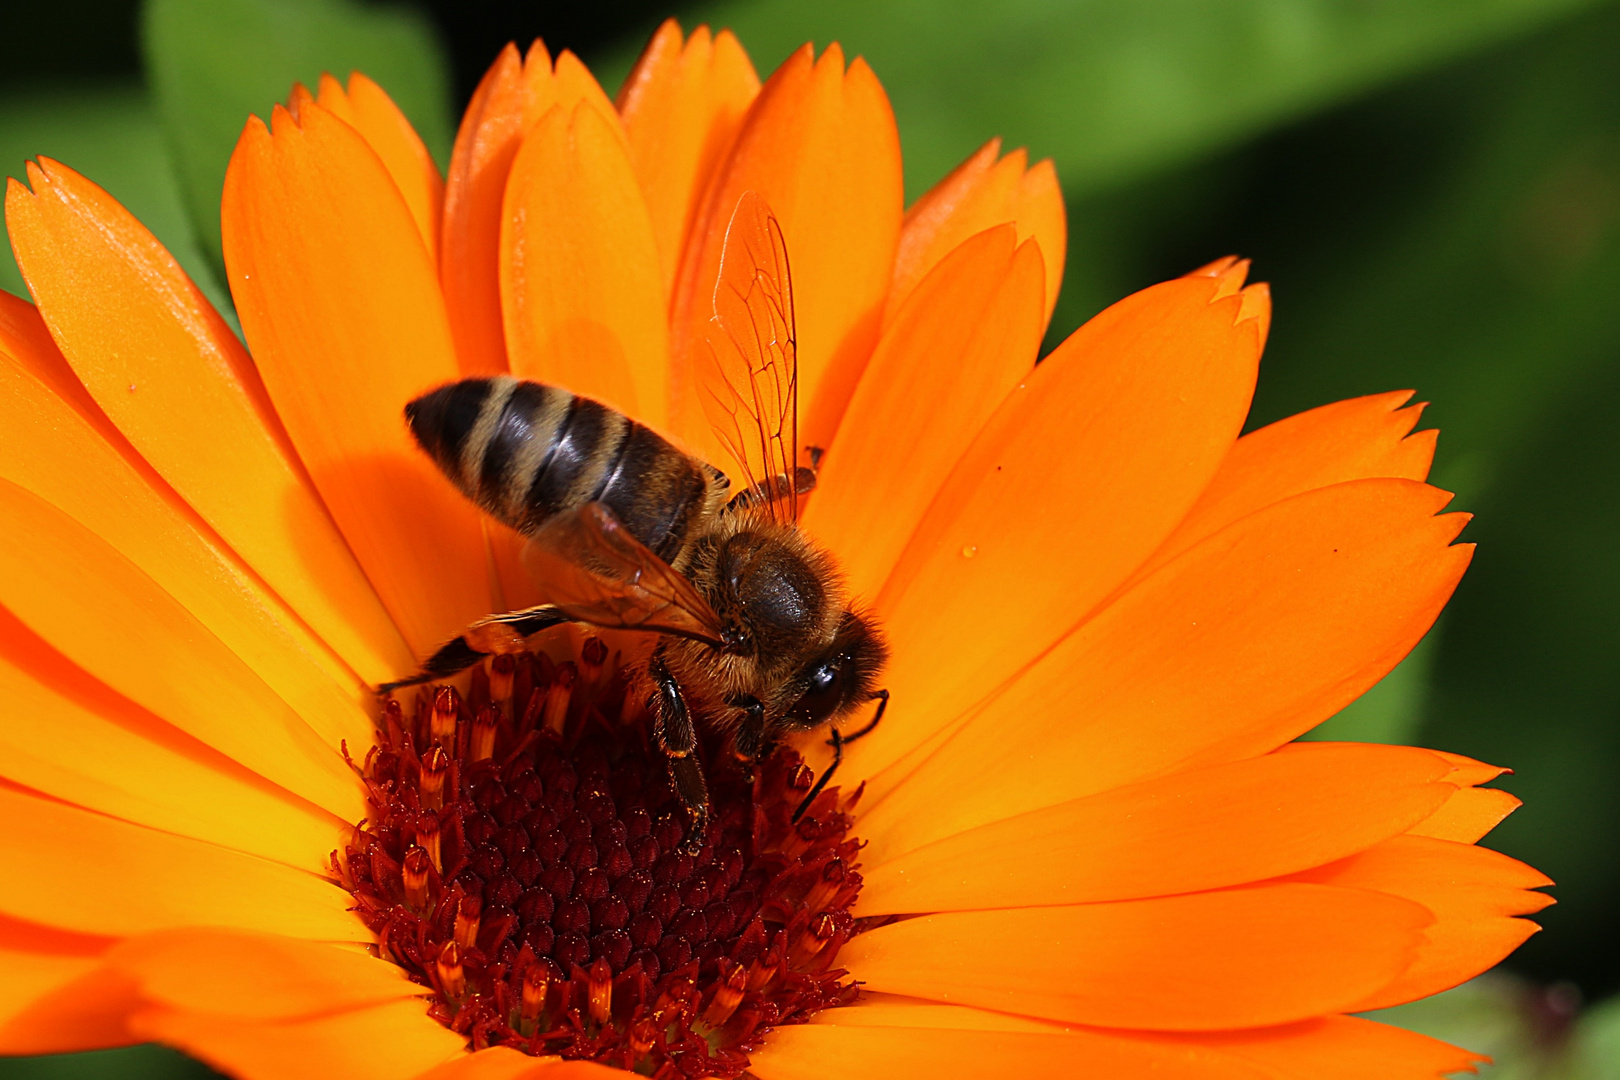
757	638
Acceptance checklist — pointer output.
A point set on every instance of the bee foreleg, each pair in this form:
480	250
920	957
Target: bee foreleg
677	738
751	733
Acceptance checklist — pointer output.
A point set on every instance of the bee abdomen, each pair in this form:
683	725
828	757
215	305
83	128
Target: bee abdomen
525	451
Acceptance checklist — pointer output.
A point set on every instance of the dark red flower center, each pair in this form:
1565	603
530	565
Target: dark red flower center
524	859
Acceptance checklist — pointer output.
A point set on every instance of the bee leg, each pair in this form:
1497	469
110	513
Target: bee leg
776	487
677	738
837	742
492	633
453	656
751	734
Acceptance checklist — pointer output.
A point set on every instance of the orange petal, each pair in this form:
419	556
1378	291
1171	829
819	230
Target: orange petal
681	107
1226	959
168	371
565	82
820	147
512	96
984	191
55	443
370	111
1347	440
1468	815
504	1063
970	332
469	258
580	284
575	1070
1230	274
490	1063
60	1005
1474	893
256	976
98	609
26	341
1095	457
1340	1048
1470	771
869	1041
342	309
384	1042
1254	636
1204	829
70	736
53	998
97	875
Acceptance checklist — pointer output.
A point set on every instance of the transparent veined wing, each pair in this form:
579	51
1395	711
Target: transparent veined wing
591	569
748	376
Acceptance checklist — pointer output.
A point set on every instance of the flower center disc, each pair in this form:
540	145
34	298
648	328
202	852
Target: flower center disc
523	858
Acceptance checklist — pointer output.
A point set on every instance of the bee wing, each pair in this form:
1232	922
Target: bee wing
749	377
594	571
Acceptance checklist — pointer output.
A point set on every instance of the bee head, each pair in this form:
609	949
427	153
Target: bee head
841	677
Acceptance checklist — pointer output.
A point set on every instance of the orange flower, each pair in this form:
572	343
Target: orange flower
1086	844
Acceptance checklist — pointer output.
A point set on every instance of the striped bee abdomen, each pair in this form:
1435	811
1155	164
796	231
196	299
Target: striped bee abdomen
525	451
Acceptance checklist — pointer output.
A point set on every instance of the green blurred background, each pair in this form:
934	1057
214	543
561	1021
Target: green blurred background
1431	186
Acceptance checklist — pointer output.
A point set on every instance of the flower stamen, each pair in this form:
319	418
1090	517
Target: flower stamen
527	858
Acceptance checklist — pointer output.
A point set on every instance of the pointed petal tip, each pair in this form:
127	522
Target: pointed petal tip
283	118
1232	279
38	173
1214	269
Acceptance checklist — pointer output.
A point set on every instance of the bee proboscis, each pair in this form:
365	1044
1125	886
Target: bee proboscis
757	639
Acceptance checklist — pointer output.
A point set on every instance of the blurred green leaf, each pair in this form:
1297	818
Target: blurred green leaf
1594	1052
111	135
132	1063
1112	90
1493	1015
213	62
1392	711
1532	1032
1527	675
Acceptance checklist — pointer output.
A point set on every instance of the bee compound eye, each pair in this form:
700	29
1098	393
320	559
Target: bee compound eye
821	698
824	677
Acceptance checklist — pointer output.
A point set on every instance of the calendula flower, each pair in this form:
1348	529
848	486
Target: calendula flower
1081	843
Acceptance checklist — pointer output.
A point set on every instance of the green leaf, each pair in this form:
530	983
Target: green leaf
211	63
131	1063
1113	90
110	134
